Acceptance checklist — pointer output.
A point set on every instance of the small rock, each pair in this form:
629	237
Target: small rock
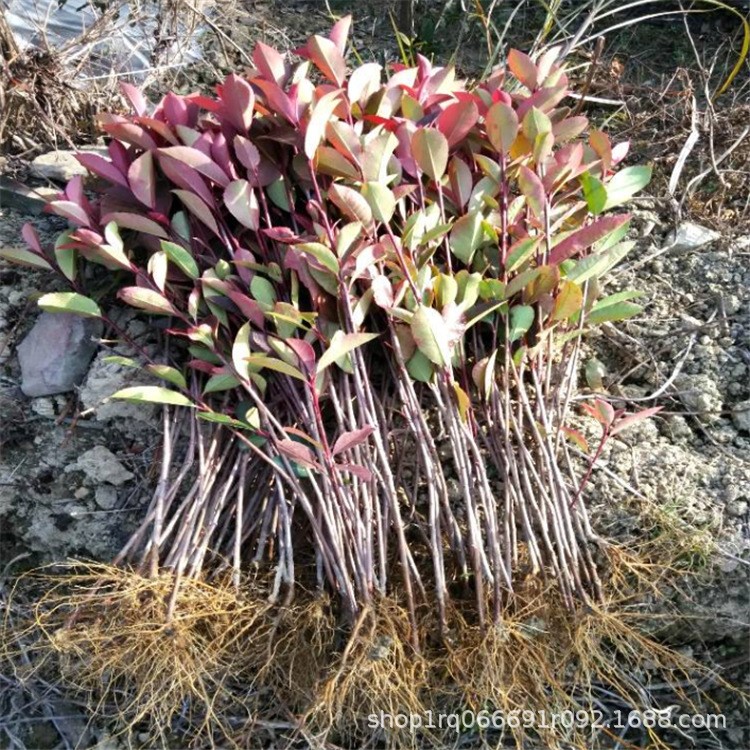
60	166
691	236
700	394
106	496
104	379
736	508
678	428
100	465
55	354
741	416
81	492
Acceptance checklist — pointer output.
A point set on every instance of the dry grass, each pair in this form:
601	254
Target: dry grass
228	667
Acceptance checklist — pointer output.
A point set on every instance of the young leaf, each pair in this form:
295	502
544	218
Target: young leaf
381	200
521	320
341	344
146	299
624	422
24	257
430	332
429	148
523	68
242	203
466	236
352	439
322	254
181	258
625	184
533	189
69	302
170	374
502	126
601	411
153	394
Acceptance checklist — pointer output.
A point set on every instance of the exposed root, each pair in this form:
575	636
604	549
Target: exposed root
228	666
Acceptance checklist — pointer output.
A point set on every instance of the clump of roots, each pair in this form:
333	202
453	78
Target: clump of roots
212	662
114	643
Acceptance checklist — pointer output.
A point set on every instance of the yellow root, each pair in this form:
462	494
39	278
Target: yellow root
226	665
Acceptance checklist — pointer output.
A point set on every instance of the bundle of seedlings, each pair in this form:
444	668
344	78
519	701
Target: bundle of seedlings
374	293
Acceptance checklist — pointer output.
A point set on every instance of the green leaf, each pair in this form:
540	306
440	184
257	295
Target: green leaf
262	361
223	382
520	253
218	418
24	257
521	319
322	254
66	257
170	374
610	310
70	302
536	123
263	291
430	332
116	359
146	299
181	258
466	236
625	184
381	200
429	147
420	368
594	192
341	344
153	394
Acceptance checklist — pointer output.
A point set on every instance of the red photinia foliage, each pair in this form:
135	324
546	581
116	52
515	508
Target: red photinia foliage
327	239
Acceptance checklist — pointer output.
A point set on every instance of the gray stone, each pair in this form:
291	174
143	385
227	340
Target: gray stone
104	379
60	166
106	496
741	416
101	466
700	394
691	236
56	353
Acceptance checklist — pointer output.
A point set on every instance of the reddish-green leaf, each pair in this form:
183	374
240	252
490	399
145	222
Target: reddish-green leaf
502	126
242	203
146	299
429	148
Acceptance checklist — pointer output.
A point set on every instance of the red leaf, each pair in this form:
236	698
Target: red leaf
199	161
270	63
533	189
456	120
136	222
327	57
199	209
340	33
305	353
242	203
278	102
629	421
135	97
247	153
142	179
352	439
185	177
586	237
239	100
361	472
601	411
299	453
523	68
102	168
